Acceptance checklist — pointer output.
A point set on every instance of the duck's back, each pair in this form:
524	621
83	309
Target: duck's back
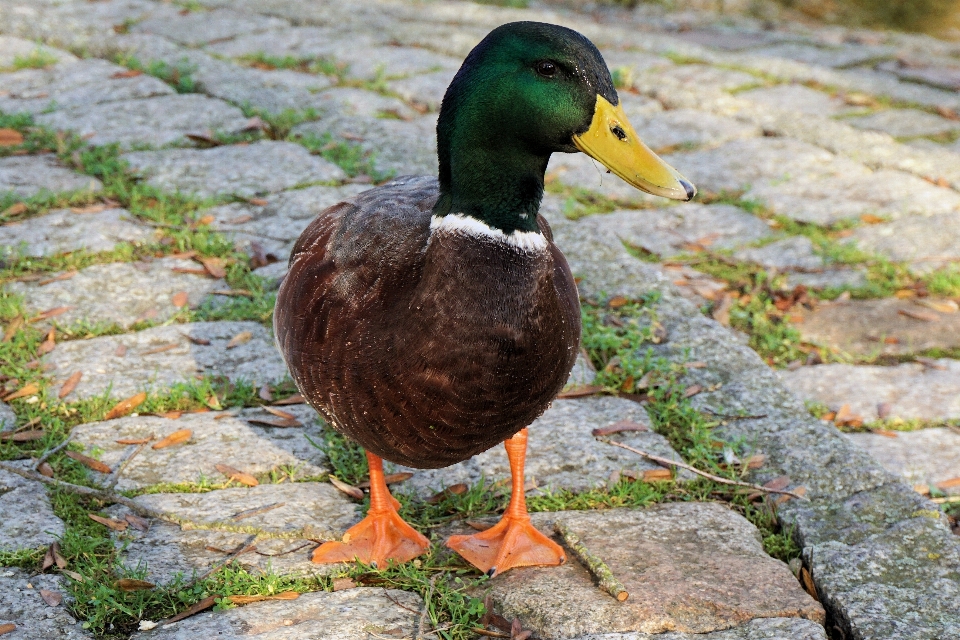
425	346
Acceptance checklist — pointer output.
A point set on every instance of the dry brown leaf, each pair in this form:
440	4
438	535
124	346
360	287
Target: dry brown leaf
89	462
905	293
721	310
348	489
10	138
580	391
390	478
264	393
236	475
203	605
619	427
196	272
657	475
241	338
45	469
755	461
177	437
124	407
22	436
130	584
73	575
160	349
53	557
260	202
616	302
179	299
15	209
116	525
7	627
294	399
90	208
692	390
452	490
949	483
843	414
134	440
63	276
12	328
50	313
778	484
129	73
52	598
214	403
884	409
225	415
943	306
917	314
120	351
25	390
214	266
280	413
70	384
869	218
807	580
138	523
342	584
49	344
171	415
201	341
233	292
886	433
286	595
281	424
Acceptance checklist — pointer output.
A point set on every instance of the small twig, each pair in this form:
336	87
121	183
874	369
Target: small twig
605	578
724	416
489	634
394	601
56	449
426	608
114	477
283	553
666	462
248	545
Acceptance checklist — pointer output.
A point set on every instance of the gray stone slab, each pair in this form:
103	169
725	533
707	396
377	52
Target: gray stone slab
583	372
22	606
273	91
155	121
277	224
725	39
810	184
129	363
303	511
8	419
834	278
790	254
340	615
678	229
28	519
910	390
12	48
796	97
389	62
27	176
688	128
945	76
302	41
196	28
425	89
688	567
905	123
841	56
229	440
759	629
63	230
76	86
256	169
872	327
702	76
926	243
561	453
926	456
120	293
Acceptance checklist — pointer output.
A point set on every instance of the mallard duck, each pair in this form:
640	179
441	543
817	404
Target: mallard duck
430	319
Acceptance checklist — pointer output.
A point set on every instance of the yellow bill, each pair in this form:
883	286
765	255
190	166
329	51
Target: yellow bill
612	140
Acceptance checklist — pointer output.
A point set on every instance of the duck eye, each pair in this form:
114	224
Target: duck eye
546	68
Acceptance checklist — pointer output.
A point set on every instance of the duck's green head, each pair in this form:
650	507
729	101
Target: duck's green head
527	90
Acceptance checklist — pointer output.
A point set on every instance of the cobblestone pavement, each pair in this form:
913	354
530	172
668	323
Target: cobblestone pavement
159	159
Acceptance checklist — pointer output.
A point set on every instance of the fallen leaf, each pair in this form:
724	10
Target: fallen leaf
616	302
121	350
63	276
922	489
264	393
348	489
917	314
138	523
53	557
869	218
116	525
282	424
7	627
179	299
15	210
656	475
619	427
134	440
949	484
204	138
130	584
241	338
755	461
884	409
10	138
721	310
259	202
12	328
203	605
214	266
129	73
807	581
90	208
201	341
124	407
342	584
196	272
286	595
22	436
294	399
25	390
236	475
843	414
452	490
943	306
280	413
249	513
50	313
70	384
233	292
45	470
580	391
48	344
160	349
778	484
886	433
52	598
390	478
89	462
692	390
225	415
214	403
905	293
177	437
171	415
72	575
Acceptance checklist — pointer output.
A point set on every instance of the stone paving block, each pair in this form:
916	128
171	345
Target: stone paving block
790	254
256	169
155	121
28	520
561	453
871	327
946	76
302	511
675	230
926	456
702	76
21	605
302	41
27	176
796	97
583	372
196	28
836	278
12	48
842	56
728	40
758	629
341	615
426	89
810	184
690	128
63	230
129	363
272	91
76	86
688	567
278	224
389	62
8	419
926	243
911	390
120	293
904	123
230	440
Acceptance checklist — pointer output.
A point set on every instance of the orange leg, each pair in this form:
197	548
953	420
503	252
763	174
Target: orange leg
512	542
381	536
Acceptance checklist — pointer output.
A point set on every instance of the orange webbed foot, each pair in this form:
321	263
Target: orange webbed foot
375	540
512	542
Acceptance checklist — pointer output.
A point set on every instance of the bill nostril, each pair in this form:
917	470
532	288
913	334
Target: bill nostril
618	131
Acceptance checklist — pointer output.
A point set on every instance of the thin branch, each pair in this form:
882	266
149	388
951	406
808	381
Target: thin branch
250	544
56	449
115	476
666	462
